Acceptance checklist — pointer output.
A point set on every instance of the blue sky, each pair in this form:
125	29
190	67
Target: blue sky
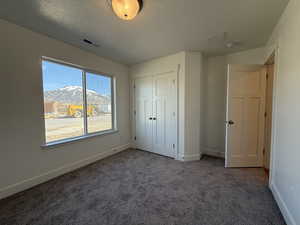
58	76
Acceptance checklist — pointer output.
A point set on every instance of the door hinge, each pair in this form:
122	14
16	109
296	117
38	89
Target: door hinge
264	151
134	112
135	138
266	114
267	75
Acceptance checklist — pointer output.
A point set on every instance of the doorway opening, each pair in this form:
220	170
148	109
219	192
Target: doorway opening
249	115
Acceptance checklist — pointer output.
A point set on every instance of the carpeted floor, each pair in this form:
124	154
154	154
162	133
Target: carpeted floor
135	188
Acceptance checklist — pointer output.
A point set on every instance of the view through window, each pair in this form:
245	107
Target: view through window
76	102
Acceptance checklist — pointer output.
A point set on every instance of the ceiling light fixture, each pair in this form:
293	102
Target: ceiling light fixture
127	9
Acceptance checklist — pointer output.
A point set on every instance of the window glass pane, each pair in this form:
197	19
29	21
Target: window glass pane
63	101
99	105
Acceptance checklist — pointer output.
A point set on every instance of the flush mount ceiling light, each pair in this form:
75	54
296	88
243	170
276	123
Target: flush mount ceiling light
127	9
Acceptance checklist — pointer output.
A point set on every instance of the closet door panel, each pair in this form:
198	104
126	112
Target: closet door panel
143	113
164	113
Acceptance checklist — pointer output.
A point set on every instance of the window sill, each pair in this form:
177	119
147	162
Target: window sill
76	139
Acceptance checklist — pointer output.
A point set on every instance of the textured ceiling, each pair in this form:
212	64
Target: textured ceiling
163	27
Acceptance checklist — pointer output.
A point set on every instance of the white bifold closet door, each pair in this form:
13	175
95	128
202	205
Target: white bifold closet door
156	114
143	113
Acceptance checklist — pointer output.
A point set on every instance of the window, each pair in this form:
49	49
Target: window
77	102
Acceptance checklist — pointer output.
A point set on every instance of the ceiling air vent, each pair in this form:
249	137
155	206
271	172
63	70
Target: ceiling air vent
90	42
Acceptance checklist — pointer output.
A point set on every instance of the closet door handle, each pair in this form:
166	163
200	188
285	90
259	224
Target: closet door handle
150	118
230	122
154	118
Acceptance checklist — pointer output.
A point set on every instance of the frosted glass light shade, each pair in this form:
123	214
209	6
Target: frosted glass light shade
126	9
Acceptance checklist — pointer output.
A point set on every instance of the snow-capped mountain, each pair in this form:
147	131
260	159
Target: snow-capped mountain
73	95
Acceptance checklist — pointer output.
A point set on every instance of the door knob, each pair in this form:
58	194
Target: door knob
150	118
154	118
230	122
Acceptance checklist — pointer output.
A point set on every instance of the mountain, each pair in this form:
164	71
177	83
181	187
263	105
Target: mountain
73	95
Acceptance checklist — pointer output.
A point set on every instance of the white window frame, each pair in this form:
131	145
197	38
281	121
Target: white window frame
85	118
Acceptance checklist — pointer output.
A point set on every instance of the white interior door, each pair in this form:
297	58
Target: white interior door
143	113
245	116
165	114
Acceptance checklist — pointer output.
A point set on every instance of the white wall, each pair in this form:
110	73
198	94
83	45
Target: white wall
215	72
22	161
253	56
285	168
193	110
190	67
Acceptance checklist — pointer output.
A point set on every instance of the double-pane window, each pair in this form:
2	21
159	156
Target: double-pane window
76	102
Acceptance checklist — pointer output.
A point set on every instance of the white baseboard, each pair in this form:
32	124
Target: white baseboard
282	206
31	182
189	158
213	152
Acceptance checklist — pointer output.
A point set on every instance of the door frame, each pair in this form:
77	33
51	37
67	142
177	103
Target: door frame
132	108
259	66
276	51
268	122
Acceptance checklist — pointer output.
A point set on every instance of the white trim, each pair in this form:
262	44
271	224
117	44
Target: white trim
177	108
65	63
189	158
274	117
31	182
226	125
213	152
282	206
79	138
